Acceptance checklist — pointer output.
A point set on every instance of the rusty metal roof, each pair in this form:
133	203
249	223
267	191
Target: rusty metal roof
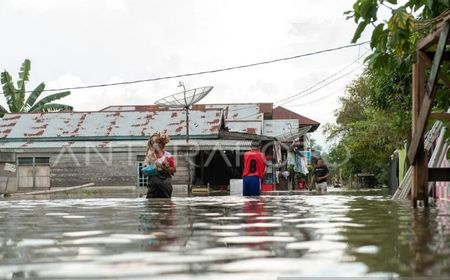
279	127
238	111
271	128
283	113
250	126
108	124
233	111
252	118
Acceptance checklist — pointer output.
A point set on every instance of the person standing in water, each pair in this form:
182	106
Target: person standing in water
160	184
321	174
254	169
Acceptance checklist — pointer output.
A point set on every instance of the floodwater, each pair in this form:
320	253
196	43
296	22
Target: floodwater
222	238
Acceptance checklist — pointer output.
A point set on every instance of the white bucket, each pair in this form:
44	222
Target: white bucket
236	187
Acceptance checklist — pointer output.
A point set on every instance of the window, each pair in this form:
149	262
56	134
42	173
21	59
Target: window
141	179
34	161
41	160
25	161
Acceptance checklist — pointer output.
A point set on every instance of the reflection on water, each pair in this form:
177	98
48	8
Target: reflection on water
222	238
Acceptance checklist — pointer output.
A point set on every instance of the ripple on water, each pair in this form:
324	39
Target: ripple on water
57	214
203	256
225	227
316	245
329	225
83	233
211	214
113	271
134	236
99	240
261	225
247	214
262	264
224	233
227	218
35	242
333	237
269	218
255	239
369	249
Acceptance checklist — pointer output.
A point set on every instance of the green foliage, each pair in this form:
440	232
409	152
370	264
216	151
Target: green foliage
374	118
367	128
396	37
15	97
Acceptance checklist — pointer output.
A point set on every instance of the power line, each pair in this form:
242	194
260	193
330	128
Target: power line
311	92
316	89
327	78
206	72
312	101
283	101
318	99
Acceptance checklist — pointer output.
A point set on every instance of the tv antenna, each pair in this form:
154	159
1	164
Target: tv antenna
185	100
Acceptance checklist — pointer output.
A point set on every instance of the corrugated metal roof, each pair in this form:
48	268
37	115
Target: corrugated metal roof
108	124
279	127
233	111
283	113
250	127
198	144
238	111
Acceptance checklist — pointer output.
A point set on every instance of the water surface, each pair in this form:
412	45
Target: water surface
222	238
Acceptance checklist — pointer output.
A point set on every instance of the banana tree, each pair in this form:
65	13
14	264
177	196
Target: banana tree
18	101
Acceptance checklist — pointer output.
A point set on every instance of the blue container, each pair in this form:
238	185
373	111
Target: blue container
150	170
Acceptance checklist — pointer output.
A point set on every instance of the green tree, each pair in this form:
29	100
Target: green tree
366	133
374	117
16	96
394	39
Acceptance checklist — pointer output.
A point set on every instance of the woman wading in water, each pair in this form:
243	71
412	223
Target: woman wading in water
159	184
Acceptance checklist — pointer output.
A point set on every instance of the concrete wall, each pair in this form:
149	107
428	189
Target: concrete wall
103	169
70	168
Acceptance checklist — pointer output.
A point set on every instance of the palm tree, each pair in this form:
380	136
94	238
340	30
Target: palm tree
15	97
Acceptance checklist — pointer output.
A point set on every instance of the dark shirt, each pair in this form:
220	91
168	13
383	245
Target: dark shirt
320	172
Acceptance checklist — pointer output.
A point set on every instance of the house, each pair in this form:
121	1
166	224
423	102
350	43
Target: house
259	119
105	147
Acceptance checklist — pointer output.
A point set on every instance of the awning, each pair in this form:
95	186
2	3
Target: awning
178	144
205	145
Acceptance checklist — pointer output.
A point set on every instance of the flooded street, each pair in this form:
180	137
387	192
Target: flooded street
222	238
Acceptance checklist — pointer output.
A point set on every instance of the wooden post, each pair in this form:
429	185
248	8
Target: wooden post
425	178
415	114
418	92
425	102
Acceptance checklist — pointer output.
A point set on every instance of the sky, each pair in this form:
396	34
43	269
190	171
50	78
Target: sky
84	42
